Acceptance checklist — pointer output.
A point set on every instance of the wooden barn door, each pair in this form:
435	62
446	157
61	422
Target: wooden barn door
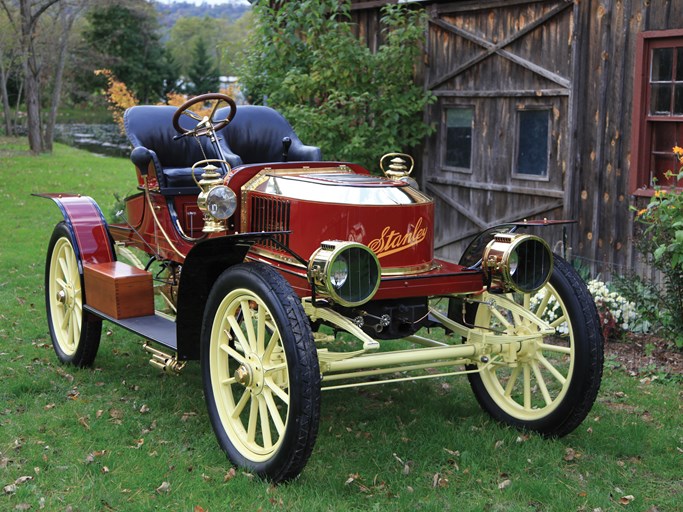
501	73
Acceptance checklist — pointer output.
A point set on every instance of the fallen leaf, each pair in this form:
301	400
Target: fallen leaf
137	443
144	409
504	484
197	508
164	487
499	444
229	475
187	415
105	469
10	489
439	481
22	506
351	479
84	422
569	454
523	438
625	500
49	407
23	480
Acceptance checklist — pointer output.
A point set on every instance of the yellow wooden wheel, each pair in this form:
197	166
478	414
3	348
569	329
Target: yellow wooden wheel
260	372
75	336
249	375
550	381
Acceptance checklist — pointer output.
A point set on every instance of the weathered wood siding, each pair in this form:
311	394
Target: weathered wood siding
605	72
577	58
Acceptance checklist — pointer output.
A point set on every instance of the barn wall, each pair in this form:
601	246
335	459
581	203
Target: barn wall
605	66
601	69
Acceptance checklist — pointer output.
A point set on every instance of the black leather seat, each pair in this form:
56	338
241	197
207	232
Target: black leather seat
150	130
253	136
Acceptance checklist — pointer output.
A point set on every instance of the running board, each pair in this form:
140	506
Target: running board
156	328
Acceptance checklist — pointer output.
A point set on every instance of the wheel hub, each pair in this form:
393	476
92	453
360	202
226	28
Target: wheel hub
250	374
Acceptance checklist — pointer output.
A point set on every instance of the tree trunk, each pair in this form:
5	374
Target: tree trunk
67	22
5	99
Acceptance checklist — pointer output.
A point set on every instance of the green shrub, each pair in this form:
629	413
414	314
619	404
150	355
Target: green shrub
662	245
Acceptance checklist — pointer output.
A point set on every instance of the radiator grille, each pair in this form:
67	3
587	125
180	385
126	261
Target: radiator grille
270	214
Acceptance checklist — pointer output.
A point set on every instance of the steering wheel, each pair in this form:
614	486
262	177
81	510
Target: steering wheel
204	123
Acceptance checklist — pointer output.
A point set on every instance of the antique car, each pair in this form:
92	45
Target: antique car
244	250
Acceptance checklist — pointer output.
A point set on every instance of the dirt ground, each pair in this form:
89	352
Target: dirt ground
642	354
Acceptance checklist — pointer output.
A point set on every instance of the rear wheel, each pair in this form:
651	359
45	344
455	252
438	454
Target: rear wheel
260	372
75	334
550	384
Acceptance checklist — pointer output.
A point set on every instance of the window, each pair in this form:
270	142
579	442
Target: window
531	157
658	109
459	138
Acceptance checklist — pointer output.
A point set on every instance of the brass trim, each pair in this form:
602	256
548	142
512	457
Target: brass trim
158	224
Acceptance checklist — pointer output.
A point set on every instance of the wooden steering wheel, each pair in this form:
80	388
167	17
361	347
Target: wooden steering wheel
204	123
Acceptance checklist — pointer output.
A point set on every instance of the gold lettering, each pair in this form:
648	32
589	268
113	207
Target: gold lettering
392	241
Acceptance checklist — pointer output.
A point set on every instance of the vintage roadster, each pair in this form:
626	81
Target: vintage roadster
244	250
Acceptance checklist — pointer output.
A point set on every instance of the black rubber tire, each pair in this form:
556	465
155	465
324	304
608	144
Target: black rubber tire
64	303
286	457
586	375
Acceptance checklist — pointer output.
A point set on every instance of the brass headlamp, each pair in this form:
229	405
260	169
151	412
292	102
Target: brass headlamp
216	201
514	261
347	272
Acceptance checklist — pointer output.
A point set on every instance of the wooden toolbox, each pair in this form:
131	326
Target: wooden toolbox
119	290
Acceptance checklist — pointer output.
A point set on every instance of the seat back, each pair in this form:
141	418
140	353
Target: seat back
151	126
256	133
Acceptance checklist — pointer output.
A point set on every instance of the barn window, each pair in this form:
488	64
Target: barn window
459	138
658	109
531	158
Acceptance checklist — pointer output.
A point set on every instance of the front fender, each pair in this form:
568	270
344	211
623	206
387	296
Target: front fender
87	226
202	266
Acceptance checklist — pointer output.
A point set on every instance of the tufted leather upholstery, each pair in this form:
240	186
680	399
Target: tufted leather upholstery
254	136
256	133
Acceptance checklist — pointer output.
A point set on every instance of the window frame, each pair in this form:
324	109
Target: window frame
517	138
643	122
444	137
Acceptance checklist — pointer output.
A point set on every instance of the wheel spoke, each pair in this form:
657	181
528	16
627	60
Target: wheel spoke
540	310
193	115
261	331
265	422
511	381
281	393
555	348
527	387
556	323
233	353
274	412
500	317
239	334
541	383
272	343
244	399
554	371
253	416
247	312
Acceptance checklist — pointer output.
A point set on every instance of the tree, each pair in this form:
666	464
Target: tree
202	73
125	40
357	105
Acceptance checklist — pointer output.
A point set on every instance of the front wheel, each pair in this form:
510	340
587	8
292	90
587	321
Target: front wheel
75	334
550	384
260	372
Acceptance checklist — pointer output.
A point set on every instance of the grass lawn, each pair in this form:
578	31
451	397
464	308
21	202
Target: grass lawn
123	437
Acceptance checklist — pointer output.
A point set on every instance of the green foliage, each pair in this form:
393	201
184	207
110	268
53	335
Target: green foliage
202	73
662	243
356	105
125	40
